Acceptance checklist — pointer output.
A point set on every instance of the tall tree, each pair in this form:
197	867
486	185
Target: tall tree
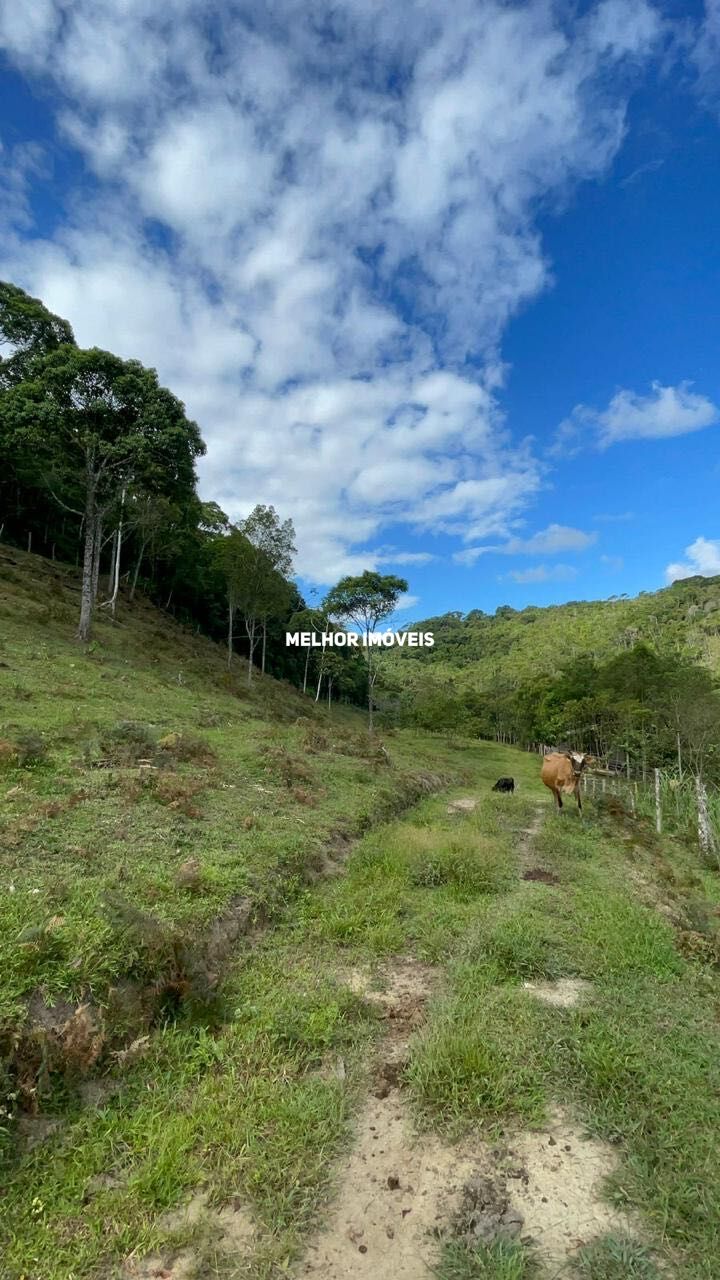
27	330
96	425
366	601
274	543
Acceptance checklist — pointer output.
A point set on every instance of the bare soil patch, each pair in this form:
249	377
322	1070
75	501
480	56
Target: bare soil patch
465	804
557	1177
231	1228
564	993
396	1190
541	875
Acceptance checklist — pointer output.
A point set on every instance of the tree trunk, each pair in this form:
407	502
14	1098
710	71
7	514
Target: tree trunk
87	599
305	674
111	572
117	548
250	628
136	572
264	641
230	634
97	551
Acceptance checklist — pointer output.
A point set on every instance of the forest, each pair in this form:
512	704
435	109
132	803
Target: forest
97	469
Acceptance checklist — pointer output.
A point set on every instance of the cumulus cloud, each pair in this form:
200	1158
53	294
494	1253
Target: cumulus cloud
662	413
543	573
551	541
703	558
316	222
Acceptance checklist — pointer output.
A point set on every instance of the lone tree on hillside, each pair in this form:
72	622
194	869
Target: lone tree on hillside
94	427
366	601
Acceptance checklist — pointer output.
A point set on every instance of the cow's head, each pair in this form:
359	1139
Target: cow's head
579	761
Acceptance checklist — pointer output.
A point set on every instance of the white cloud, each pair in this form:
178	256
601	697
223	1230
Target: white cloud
405	557
547	542
706	56
662	413
541	573
703	558
613	563
406	601
307	226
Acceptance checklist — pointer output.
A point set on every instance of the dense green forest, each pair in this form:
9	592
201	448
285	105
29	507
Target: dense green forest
632	680
97	469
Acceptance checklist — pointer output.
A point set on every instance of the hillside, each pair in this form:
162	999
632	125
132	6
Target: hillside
632	680
511	644
248	955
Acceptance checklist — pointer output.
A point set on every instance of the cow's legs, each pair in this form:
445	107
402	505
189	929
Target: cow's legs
558	797
577	796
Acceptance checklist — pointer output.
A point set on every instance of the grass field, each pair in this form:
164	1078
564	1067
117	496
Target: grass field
242	949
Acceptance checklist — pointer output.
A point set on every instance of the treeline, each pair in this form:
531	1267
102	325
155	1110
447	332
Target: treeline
97	469
639	708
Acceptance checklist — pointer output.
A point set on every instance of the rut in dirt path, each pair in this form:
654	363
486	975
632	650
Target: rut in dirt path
526	867
395	1190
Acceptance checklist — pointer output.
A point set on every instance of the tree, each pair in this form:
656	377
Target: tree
29	330
274	543
97	425
313	622
366	601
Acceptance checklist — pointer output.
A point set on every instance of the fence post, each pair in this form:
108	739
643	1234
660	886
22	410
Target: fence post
705	834
658	807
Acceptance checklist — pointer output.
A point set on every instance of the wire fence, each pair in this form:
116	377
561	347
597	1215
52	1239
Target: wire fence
675	803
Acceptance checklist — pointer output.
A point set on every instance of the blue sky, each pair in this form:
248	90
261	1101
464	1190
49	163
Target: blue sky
439	283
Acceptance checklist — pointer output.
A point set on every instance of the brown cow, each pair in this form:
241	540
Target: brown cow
562	771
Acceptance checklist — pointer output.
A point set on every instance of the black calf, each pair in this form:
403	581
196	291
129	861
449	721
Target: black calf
504	784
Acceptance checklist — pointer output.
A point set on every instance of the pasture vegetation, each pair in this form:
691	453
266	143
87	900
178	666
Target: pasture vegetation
168	854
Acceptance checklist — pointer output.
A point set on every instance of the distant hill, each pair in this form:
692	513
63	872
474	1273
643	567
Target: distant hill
630	680
514	644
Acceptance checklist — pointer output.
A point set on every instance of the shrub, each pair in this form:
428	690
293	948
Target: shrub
186	747
127	742
30	747
289	768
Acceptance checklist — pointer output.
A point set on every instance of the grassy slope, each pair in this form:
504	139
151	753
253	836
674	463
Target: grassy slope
236	1103
252	785
478	653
